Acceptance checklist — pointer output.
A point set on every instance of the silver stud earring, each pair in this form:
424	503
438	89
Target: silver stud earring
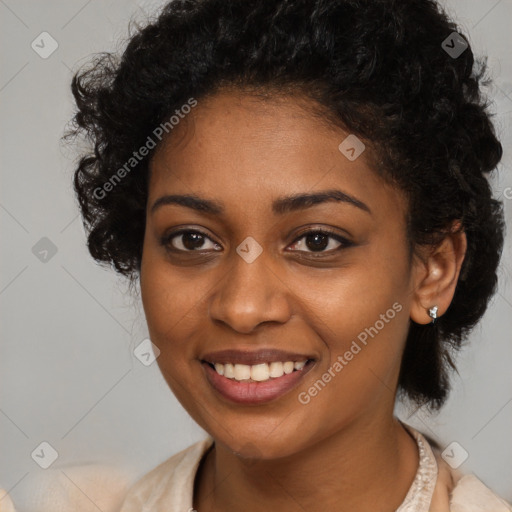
433	313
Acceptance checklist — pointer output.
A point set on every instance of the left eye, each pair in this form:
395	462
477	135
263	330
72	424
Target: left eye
318	241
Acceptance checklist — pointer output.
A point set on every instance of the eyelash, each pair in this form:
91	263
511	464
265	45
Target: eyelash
166	240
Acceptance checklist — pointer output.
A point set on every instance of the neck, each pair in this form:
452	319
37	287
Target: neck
368	466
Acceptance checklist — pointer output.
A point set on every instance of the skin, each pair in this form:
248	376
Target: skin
344	450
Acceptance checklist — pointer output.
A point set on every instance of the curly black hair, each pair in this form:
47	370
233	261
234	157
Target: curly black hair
384	70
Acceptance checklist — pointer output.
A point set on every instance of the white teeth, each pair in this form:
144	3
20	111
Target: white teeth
229	371
258	372
288	367
242	372
276	369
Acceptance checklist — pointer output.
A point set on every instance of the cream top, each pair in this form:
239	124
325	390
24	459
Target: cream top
169	487
436	487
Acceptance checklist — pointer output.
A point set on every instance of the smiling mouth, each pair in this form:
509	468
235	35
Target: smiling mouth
261	372
242	389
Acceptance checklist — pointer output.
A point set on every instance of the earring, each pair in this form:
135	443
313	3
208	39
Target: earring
433	313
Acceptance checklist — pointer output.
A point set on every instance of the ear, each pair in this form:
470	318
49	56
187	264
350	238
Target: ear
436	272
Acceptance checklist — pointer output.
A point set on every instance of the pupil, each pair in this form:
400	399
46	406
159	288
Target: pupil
320	241
193	240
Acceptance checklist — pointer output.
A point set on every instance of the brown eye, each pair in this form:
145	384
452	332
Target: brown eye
189	241
319	241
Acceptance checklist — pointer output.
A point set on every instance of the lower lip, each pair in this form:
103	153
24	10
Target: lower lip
252	393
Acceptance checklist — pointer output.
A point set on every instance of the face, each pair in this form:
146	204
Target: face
327	279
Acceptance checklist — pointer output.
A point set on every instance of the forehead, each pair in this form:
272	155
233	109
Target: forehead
246	151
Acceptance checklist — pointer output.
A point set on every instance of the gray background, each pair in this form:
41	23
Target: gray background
68	373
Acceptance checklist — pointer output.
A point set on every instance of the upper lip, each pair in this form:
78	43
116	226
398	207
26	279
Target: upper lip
250	357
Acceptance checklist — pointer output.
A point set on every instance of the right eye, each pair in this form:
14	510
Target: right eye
188	240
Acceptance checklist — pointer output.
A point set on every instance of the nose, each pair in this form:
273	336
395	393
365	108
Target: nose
249	295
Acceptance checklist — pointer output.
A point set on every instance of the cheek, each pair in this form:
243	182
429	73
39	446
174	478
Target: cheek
363	333
366	330
170	302
169	306
361	314
351	299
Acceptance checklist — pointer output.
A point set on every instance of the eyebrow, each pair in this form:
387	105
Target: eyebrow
280	206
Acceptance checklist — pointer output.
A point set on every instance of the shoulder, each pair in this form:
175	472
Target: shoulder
170	484
471	495
70	487
6	504
454	491
464	492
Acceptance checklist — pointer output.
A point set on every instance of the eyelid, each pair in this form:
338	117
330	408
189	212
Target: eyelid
321	229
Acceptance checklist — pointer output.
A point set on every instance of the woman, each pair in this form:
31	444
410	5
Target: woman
299	187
